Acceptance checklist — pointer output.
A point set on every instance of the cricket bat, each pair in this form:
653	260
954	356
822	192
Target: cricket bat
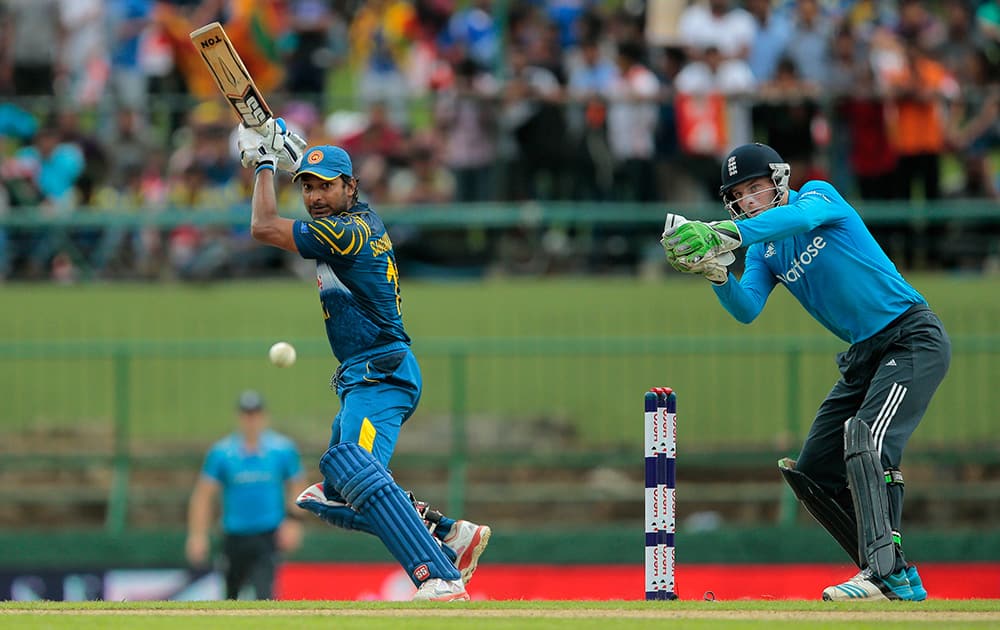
230	74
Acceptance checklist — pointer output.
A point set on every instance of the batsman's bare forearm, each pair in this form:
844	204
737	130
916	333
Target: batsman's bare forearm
266	225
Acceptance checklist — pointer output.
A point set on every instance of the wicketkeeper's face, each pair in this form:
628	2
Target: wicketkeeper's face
755	196
324	198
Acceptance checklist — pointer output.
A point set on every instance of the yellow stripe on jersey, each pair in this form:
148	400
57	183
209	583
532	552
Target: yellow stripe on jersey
350	248
324	229
366	439
320	234
328	226
364	226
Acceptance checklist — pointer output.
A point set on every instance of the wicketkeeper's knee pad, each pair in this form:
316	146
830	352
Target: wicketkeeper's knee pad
369	488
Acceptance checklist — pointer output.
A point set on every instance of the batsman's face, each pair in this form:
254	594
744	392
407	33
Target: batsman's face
755	196
324	198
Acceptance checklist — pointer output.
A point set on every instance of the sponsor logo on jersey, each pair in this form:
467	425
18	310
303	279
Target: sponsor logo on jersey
798	267
769	250
814	193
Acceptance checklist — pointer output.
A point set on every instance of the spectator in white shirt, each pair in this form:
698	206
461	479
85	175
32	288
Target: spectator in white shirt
717	24
632	118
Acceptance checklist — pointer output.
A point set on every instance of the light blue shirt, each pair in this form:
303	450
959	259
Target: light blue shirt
809	48
57	172
594	79
253	482
819	248
768	46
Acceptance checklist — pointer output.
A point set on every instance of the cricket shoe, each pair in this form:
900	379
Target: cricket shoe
314	499
916	584
440	590
866	586
468	541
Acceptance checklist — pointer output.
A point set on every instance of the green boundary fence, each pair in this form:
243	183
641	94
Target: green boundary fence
458	353
967	228
497	214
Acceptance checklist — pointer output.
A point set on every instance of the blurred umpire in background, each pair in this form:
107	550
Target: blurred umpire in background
258	472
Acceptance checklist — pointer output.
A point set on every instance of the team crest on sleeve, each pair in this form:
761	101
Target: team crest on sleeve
303	228
769	250
731	165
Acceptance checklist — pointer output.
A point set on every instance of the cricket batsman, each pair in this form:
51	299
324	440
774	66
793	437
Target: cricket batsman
815	244
378	381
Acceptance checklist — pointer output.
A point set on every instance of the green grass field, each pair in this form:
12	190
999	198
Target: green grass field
588	387
501	615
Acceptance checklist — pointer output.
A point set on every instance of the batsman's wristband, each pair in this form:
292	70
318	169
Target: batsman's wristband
264	166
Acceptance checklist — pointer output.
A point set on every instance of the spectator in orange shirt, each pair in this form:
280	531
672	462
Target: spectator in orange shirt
918	92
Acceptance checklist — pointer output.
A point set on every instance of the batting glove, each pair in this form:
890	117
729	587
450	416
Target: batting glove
293	147
260	146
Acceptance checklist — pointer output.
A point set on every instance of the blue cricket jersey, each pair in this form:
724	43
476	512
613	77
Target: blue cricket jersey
358	281
253	482
819	248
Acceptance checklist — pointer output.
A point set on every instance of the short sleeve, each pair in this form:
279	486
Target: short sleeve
215	465
330	236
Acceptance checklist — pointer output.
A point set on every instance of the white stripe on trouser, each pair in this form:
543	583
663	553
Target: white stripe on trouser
881	425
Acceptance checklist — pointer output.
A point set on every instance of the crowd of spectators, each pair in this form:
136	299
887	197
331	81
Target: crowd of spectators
105	106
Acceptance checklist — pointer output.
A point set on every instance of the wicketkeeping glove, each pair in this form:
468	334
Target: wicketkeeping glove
695	241
714	269
681	263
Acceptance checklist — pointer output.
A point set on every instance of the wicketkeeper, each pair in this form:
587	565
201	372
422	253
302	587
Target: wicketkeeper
816	245
378	381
